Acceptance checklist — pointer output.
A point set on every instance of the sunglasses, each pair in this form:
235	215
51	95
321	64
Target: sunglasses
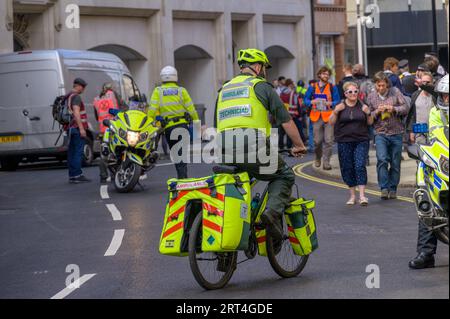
352	92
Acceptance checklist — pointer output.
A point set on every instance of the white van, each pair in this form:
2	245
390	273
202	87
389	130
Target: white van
30	82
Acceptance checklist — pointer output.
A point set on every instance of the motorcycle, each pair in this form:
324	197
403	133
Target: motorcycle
130	148
431	196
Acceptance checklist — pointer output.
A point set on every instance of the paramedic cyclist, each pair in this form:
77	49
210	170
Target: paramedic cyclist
173	102
246	102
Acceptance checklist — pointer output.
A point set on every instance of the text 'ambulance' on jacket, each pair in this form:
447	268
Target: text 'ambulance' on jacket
239	107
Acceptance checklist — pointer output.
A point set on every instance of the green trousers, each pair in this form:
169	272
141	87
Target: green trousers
280	182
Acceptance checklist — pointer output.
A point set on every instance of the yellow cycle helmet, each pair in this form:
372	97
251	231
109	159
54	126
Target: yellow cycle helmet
251	56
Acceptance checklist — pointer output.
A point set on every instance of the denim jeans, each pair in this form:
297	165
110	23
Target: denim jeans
389	157
75	153
311	137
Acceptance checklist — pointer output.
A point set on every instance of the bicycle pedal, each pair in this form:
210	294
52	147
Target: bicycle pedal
224	263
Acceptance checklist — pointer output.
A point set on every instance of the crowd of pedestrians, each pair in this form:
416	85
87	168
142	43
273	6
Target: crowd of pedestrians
360	111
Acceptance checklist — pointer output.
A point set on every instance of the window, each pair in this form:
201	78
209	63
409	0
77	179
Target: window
326	49
95	80
329	2
130	88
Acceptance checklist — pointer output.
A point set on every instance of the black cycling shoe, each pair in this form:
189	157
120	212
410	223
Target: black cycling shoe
79	179
272	221
422	261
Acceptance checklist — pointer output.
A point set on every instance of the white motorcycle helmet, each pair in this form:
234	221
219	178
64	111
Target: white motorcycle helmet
169	74
442	89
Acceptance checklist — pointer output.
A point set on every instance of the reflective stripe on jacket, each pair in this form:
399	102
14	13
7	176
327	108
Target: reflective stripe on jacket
316	114
239	107
172	101
102	106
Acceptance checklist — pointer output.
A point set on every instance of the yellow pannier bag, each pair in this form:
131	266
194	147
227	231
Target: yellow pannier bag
224	202
302	227
261	231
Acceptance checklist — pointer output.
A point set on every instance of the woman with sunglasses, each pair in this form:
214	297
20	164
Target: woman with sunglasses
351	120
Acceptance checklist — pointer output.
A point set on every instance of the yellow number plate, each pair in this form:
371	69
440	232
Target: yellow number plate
10	139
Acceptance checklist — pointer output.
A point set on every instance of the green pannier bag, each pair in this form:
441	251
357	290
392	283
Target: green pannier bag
224	202
302	227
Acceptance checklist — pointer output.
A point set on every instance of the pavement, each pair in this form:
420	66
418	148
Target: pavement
51	231
407	175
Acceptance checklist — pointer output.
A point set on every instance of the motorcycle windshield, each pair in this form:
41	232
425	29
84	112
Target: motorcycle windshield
137	121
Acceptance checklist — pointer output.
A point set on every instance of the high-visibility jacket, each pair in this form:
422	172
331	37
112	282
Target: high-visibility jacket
172	102
315	113
436	120
290	102
301	90
239	107
102	105
83	113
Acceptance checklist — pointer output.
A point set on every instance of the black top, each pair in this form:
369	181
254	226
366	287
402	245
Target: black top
351	125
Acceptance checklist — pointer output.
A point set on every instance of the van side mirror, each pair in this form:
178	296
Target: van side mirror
106	122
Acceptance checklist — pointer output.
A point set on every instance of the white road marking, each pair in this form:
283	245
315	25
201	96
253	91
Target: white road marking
165	164
114	211
143	177
104	192
116	242
72	287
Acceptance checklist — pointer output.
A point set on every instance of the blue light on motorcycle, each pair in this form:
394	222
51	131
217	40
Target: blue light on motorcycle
159	118
420	128
113	112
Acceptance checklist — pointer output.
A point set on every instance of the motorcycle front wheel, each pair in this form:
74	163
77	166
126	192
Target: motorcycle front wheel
127	176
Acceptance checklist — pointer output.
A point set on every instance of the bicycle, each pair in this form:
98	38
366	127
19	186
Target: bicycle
224	264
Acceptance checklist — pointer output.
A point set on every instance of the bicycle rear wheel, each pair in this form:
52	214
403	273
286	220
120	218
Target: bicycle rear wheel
282	257
210	270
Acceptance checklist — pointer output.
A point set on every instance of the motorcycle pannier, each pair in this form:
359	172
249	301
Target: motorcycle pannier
302	227
224	202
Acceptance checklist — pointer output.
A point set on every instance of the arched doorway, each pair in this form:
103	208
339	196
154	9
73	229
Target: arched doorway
195	69
283	63
134	60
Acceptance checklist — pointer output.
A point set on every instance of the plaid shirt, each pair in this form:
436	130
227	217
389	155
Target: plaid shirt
392	125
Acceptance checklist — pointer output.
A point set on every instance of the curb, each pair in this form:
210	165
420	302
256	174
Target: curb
319	171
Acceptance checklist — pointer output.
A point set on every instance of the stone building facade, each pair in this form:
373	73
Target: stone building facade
199	37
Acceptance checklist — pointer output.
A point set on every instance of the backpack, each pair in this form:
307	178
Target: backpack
60	110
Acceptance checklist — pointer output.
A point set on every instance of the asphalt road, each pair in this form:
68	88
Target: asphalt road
47	225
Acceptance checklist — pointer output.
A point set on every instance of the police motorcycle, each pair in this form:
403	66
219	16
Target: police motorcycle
431	196
129	147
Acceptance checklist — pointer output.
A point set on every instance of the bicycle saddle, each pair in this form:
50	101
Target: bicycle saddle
223	169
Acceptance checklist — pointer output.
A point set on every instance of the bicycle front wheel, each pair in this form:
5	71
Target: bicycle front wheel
282	257
211	270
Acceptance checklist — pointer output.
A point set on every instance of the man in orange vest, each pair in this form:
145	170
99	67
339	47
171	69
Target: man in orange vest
108	99
321	98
